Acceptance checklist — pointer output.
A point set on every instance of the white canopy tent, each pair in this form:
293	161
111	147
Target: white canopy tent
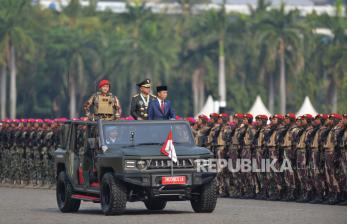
259	108
307	108
210	106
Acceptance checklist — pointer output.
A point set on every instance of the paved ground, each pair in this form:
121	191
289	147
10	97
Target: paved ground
31	206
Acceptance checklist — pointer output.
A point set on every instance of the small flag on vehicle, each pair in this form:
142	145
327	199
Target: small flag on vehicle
168	148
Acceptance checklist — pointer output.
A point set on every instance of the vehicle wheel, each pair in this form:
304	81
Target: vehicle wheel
155	204
113	195
206	201
63	193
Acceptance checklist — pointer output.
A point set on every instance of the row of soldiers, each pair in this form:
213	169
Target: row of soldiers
314	147
26	151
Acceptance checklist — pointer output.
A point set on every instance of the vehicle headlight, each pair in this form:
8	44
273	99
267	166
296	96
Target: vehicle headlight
130	164
135	164
141	164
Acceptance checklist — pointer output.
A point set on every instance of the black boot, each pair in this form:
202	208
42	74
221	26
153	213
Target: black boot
274	196
333	200
318	199
303	197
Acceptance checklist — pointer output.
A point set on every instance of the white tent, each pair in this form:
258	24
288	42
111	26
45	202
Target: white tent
259	108
306	108
210	106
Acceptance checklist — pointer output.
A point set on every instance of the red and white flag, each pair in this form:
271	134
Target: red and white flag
168	148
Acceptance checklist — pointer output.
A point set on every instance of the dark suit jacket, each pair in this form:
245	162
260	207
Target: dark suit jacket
155	113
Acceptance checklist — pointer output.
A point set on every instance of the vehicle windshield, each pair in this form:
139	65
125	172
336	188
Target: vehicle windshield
146	134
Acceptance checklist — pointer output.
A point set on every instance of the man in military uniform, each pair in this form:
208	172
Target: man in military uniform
330	159
258	154
285	142
274	179
342	148
302	148
106	106
3	146
140	101
203	131
234	155
315	158
246	136
221	152
212	137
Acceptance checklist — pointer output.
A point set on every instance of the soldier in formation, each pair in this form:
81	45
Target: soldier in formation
312	148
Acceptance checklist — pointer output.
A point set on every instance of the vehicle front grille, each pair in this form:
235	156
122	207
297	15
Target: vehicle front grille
166	164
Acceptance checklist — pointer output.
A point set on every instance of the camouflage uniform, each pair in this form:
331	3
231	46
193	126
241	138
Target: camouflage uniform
246	135
315	168
234	155
259	155
273	179
342	177
106	107
287	145
301	165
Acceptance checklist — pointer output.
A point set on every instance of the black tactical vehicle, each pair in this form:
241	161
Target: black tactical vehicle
113	162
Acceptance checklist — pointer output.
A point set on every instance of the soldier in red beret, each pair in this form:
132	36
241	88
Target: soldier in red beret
106	106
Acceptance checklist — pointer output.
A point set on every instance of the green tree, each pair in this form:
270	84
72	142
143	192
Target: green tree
282	32
14	43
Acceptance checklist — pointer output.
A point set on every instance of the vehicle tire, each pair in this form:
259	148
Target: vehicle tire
206	201
63	193
155	204
113	195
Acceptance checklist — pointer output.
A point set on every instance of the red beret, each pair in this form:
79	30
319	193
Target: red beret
23	120
129	118
49	121
322	116
38	120
335	116
178	117
238	115
191	120
103	83
308	116
215	115
248	116
75	119
278	116
261	117
203	117
224	115
291	116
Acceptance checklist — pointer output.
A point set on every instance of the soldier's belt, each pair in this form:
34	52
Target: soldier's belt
287	148
246	147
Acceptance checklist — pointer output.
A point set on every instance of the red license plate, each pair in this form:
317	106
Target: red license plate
174	180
